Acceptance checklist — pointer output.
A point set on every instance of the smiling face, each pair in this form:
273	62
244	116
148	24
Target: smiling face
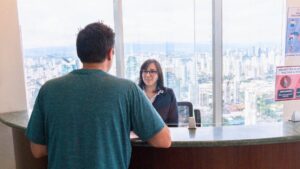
150	75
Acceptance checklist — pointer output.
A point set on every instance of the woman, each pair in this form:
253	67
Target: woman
163	99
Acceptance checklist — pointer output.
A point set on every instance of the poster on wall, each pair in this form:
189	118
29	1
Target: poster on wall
287	85
292	46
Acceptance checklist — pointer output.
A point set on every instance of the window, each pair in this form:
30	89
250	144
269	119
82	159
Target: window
177	34
49	29
252	48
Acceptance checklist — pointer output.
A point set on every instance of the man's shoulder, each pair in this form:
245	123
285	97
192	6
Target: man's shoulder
110	81
121	82
126	86
56	80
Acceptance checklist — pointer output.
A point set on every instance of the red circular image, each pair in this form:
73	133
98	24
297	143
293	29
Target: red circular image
285	81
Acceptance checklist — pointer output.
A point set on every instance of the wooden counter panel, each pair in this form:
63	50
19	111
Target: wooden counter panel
270	156
23	156
267	156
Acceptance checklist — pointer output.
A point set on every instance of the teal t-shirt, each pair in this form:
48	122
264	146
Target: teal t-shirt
85	119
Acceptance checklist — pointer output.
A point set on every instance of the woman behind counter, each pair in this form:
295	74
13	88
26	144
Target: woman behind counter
163	99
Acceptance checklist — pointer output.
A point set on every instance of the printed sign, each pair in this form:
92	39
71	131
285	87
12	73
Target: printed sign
292	46
287	85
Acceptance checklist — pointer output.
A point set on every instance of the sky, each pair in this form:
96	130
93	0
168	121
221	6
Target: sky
56	22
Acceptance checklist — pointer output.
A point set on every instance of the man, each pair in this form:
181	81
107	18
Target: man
83	119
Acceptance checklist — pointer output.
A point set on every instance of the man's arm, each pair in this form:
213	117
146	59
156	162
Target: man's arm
162	139
38	150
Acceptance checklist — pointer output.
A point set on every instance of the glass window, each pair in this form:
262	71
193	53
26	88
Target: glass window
252	48
49	30
178	34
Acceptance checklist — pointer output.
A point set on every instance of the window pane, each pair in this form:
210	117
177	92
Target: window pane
252	34
49	29
166	31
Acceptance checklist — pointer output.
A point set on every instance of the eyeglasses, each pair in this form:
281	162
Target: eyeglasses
151	72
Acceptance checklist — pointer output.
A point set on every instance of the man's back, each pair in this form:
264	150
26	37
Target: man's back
85	119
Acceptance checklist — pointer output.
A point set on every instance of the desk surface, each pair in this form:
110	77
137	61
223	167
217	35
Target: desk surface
268	133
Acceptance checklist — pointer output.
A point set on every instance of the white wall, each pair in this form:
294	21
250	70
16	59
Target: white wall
293	3
12	84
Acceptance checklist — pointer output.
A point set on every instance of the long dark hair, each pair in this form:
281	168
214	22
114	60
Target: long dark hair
160	79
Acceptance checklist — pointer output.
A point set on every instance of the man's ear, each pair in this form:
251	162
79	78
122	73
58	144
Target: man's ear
110	54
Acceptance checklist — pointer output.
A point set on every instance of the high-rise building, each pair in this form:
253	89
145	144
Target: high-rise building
132	68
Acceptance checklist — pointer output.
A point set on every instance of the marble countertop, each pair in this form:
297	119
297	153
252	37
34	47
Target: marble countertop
269	133
18	119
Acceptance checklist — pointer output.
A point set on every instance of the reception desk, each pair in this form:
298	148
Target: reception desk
264	146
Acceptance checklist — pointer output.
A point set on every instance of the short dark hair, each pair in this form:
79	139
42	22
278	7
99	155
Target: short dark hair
94	41
160	79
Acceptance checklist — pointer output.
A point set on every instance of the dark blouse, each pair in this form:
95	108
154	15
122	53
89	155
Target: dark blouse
166	105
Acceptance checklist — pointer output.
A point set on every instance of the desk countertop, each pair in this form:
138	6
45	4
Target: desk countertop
268	133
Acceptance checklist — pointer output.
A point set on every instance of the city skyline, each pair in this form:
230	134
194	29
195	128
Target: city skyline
248	90
178	34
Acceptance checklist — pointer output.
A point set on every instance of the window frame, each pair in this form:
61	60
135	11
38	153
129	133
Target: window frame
216	46
217	53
